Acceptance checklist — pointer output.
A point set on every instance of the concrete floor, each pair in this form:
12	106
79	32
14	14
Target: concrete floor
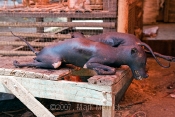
165	39
166	31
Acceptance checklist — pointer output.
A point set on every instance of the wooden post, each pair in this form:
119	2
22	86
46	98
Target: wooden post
40	29
108	111
166	11
123	11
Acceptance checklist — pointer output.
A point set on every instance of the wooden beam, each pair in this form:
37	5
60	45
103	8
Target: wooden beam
59	24
51	14
166	11
64	90
34	75
119	90
123	11
37	35
96	7
16	53
171	17
25	96
21	43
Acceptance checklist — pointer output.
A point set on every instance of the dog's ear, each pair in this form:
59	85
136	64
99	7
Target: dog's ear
134	51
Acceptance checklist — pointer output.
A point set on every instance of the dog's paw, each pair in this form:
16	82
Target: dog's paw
109	71
16	63
99	71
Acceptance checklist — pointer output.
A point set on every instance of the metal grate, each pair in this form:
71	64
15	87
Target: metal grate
46	24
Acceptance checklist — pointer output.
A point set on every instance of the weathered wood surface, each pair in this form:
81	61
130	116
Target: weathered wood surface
28	74
118	90
109	79
21	43
37	35
25	96
93	14
16	53
65	90
59	24
7	68
71	91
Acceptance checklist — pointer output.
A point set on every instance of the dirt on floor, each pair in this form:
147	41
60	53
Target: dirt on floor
151	97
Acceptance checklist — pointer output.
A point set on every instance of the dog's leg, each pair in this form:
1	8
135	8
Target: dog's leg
100	68
57	64
38	64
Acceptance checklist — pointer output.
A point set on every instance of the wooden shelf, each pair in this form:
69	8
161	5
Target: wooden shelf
93	14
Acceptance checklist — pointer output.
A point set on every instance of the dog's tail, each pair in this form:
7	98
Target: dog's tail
153	54
31	48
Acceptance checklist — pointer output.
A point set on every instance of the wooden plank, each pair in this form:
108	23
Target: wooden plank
122	86
21	43
59	24
109	29
171	18
108	111
96	7
172	9
65	90
103	80
16	53
118	91
37	35
93	14
69	91
110	79
166	10
36	75
171	3
25	97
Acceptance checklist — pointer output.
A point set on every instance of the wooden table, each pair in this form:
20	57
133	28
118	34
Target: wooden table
28	83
